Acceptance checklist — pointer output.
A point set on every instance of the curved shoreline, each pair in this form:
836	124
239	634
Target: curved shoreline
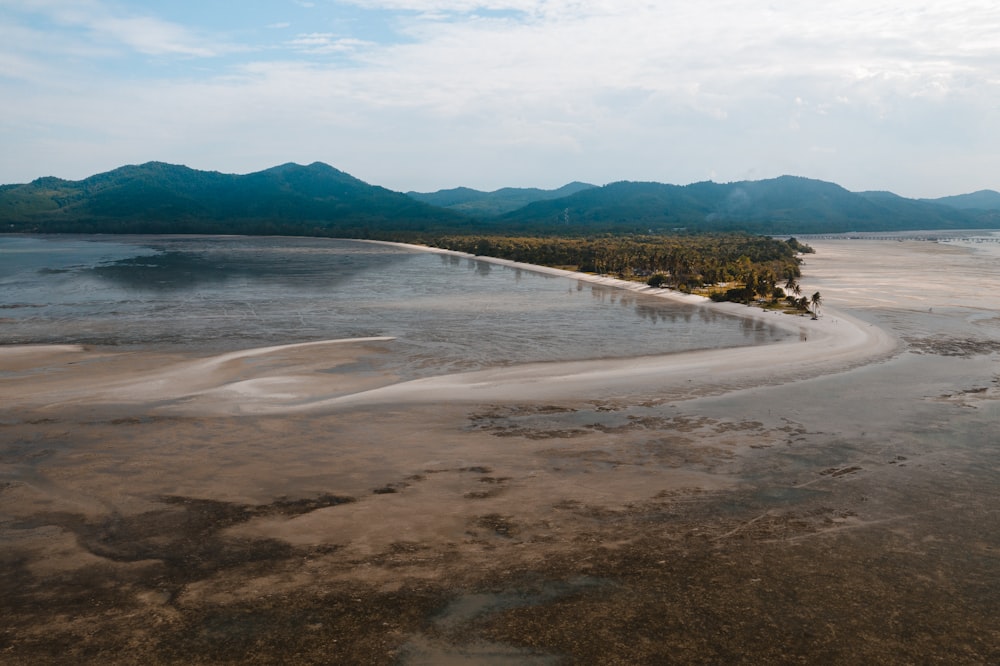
835	342
790	323
846	344
221	384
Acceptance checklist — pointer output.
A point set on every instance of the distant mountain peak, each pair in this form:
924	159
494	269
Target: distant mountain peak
979	200
156	197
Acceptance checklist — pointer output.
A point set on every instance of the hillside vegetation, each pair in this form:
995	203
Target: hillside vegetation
491	204
981	200
319	200
780	205
163	198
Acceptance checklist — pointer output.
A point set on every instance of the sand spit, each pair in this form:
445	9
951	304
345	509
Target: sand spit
836	341
286	378
827	345
66	375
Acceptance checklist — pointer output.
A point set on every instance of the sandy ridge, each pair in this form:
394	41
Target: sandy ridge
827	347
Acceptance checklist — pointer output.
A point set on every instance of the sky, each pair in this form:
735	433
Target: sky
431	94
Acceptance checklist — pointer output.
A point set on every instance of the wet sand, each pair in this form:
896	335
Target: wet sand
830	499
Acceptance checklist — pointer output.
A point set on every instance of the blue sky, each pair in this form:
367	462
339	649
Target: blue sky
429	94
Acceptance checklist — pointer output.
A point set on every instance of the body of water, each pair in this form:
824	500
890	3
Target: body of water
224	293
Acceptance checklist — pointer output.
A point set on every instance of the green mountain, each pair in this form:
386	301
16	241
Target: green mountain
165	198
319	200
490	204
787	204
981	200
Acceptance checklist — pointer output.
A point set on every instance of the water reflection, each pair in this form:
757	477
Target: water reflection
237	292
208	263
169	271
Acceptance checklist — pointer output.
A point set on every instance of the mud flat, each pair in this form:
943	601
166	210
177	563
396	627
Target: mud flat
832	499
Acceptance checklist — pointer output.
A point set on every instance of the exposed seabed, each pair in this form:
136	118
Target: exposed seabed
762	505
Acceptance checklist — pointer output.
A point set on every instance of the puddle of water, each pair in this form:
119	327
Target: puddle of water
421	649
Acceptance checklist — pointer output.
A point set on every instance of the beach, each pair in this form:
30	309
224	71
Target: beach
829	498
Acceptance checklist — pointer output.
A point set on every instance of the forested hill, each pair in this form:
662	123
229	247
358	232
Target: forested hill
164	198
320	200
981	200
781	205
490	204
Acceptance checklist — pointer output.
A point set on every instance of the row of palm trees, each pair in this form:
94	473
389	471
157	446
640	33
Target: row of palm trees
762	284
793	295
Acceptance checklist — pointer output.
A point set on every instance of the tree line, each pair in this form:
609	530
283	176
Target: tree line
750	265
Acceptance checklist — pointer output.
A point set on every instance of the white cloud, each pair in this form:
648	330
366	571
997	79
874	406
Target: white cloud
541	92
152	36
442	6
111	24
715	48
319	43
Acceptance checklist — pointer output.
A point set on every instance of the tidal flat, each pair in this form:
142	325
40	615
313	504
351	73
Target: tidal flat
792	502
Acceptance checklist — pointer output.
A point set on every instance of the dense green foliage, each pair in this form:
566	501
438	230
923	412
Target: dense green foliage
682	261
162	198
981	200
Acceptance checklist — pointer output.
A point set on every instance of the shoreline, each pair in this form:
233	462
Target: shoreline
791	323
847	343
833	343
291	383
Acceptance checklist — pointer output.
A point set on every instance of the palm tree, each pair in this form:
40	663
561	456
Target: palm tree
815	301
791	284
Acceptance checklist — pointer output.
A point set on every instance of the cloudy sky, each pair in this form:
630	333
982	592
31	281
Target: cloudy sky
429	94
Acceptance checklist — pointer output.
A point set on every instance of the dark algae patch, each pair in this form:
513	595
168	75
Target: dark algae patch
666	582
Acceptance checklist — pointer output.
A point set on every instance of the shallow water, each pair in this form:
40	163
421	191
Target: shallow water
221	293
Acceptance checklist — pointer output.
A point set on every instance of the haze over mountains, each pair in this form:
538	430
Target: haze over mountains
981	200
320	200
490	204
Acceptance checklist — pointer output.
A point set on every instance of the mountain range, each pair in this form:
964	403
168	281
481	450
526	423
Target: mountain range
164	198
318	199
490	204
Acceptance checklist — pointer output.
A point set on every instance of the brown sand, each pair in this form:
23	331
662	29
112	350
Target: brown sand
832	499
